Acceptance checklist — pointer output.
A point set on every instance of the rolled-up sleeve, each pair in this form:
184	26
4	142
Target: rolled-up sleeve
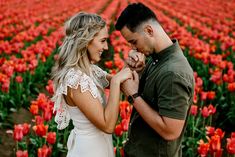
174	95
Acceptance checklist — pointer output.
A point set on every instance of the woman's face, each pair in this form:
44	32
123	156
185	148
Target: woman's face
98	45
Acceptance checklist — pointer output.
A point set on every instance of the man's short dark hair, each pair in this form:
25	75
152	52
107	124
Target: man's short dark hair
134	15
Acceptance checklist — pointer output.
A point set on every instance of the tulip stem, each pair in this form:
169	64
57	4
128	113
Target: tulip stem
193	118
17	147
210	120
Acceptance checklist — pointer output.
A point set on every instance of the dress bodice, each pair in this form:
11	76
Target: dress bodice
95	84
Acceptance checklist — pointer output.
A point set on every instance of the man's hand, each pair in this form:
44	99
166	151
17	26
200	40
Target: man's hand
136	61
131	86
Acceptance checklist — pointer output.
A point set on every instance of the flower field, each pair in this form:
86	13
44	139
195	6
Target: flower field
31	32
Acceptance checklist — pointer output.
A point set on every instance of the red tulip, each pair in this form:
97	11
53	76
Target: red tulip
51	137
26	128
231	87
203	148
5	86
38	120
203	95
210	130
211	109
215	144
205	112
211	95
122	152
42	101
40	129
118	130
195	97
231	145
233	135
21	153
34	109
18	132
225	78
199	82
108	64
19	79
219	132
194	110
47	115
125	124
44	151
50	87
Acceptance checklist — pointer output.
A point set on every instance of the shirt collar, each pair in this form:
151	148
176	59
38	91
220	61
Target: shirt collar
166	52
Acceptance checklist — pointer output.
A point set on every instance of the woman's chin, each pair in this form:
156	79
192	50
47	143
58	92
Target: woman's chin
95	60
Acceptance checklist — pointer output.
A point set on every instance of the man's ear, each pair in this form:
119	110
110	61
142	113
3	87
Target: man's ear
148	29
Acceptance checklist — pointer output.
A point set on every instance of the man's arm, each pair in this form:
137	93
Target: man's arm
168	128
169	122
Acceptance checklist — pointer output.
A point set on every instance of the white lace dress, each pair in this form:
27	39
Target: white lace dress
85	140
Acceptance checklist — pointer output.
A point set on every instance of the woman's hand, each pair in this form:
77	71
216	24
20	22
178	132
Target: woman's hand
131	86
136	61
123	75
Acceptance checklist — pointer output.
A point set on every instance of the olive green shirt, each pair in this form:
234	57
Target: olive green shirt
167	85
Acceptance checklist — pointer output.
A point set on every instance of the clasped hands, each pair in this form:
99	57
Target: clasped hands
136	62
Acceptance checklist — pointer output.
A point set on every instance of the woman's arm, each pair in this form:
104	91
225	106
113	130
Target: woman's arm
103	118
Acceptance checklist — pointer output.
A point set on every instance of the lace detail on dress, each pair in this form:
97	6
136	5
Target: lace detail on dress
100	75
72	79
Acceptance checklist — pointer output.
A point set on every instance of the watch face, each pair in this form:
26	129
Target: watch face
130	99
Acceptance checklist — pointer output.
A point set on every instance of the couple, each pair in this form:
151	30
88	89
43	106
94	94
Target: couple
161	98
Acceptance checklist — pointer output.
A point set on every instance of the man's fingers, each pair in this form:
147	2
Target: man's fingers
130	62
134	57
139	64
139	69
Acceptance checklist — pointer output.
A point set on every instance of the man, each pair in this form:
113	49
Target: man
163	96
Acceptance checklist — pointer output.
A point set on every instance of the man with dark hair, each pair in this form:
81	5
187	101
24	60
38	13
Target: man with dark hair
163	95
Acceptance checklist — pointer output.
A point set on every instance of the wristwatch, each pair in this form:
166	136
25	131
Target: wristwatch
131	98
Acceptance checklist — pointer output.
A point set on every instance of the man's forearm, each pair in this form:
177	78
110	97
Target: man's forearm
159	123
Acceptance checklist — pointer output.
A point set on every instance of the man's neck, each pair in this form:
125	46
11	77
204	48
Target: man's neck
162	43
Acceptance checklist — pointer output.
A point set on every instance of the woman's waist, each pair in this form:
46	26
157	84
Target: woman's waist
89	131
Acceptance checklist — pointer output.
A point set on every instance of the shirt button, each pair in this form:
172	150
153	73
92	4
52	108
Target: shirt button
156	60
154	63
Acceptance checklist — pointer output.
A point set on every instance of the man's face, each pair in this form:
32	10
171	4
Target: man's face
139	41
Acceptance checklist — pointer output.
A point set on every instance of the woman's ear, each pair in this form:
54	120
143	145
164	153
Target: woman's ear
148	29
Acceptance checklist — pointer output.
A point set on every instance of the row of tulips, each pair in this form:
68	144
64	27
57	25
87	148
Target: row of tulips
218	15
198	29
199	49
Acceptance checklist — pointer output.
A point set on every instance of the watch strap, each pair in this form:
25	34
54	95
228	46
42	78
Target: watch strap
135	95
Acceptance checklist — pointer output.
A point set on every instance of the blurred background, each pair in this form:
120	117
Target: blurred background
31	32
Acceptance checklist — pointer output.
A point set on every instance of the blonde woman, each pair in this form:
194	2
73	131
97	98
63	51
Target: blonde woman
80	84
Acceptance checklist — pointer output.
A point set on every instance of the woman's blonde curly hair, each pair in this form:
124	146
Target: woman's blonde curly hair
80	30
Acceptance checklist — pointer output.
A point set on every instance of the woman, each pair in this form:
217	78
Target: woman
80	84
